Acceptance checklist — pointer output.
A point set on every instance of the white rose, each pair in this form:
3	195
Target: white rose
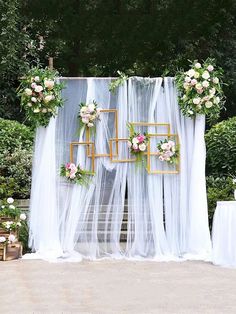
135	146
49	84
210	68
12	207
187	79
91	107
191	73
44	110
208	104
212	91
28	91
196	75
196	101
198	86
135	140
83	109
186	85
38	88
198	65
190	112
142	147
216	100
85	120
29	104
36	110
10	200
215	80
205	84
22	216
2	239
90	125
18	224
47	98
33	99
33	85
205	75
11	238
193	82
37	79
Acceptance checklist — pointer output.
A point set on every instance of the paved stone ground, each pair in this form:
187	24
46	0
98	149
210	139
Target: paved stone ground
33	286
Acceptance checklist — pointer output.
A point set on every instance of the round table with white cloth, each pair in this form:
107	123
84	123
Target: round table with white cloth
224	234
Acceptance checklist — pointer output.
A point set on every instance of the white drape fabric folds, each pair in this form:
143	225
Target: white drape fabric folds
165	214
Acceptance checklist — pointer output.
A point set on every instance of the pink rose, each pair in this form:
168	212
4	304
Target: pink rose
68	165
141	138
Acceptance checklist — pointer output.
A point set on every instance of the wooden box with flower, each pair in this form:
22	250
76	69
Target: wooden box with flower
11	220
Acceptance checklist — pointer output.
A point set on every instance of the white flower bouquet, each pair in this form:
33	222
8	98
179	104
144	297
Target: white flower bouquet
201	89
40	94
168	151
88	115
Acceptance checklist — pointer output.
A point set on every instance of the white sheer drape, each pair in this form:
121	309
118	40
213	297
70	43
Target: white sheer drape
167	214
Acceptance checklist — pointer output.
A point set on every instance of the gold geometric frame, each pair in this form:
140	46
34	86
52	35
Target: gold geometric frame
88	135
149	154
151	124
111	150
72	144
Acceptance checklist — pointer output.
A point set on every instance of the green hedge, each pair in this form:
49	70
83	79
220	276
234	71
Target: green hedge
218	189
16	142
14	135
221	148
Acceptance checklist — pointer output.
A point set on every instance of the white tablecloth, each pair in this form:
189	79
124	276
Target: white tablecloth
224	234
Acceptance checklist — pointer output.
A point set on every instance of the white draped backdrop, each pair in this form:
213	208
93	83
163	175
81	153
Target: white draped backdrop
166	213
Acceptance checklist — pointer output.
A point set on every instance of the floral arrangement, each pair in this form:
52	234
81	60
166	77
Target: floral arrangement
201	89
40	95
137	143
88	115
16	218
168	151
75	174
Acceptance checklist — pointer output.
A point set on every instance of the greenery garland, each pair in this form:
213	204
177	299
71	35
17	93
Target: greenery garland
40	95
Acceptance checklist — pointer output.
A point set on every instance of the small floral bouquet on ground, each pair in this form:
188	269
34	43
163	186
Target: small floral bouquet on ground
168	151
88	115
137	143
13	220
201	89
40	94
75	174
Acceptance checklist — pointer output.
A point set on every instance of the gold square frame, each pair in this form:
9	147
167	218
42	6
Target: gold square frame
149	154
88	144
117	140
88	135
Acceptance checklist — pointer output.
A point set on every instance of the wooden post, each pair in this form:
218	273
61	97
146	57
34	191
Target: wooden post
50	63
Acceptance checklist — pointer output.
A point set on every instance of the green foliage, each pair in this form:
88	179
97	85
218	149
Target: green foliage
218	189
24	236
16	141
17	51
221	148
14	135
118	82
17	166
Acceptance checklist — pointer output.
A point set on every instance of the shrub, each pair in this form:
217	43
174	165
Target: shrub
14	135
218	189
17	167
221	148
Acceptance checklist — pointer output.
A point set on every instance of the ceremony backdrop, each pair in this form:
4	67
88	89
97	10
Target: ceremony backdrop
167	212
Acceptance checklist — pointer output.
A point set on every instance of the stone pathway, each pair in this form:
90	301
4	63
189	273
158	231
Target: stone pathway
116	287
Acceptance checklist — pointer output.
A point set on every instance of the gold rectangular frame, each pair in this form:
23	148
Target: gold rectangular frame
116	134
111	150
87	143
149	154
152	124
